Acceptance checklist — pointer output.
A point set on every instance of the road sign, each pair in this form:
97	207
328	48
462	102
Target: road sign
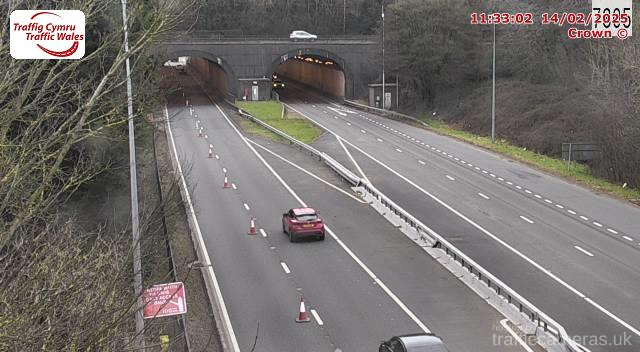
164	300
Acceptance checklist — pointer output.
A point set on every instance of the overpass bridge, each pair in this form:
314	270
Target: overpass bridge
242	62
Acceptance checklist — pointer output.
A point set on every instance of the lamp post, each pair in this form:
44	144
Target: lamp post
135	227
383	87
493	93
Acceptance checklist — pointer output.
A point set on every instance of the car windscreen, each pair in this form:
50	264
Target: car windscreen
307	217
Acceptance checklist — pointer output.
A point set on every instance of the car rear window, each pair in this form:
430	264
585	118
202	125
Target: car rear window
307	217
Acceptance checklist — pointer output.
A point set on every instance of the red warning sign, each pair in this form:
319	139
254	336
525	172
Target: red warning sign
164	300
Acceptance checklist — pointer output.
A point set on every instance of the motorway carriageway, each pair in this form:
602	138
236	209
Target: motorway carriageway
572	253
366	282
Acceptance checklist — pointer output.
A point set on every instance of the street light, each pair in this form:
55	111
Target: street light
135	227
493	94
383	87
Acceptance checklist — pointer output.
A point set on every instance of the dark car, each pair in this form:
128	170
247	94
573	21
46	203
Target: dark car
302	222
278	84
413	343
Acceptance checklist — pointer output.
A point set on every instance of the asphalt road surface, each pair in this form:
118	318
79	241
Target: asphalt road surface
573	253
366	282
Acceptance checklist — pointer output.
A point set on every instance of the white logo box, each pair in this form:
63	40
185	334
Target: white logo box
47	34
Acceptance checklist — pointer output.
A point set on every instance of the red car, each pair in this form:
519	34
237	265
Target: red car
302	222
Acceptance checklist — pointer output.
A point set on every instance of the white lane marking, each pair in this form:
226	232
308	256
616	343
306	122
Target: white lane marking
233	185
450	178
519	187
485	231
317	317
336	117
438	150
224	169
477	168
224	314
500	179
537	196
528	191
559	206
418	141
510	183
325	111
613	231
492	175
584	218
307	172
571	212
506	326
422	162
246	206
398	150
628	238
526	219
548	201
462	161
285	268
217	157
351	157
327	228
597	224
363	131
612	316
483	196
263	233
379	139
469	164
348	123
583	251
456	159
485	171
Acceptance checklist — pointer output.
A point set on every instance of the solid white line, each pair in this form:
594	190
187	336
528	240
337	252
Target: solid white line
329	231
613	231
305	171
285	268
506	326
422	162
344	147
583	251
398	150
233	185
246	206
584	218
483	196
486	232
263	233
571	212
526	219
628	238
379	140
207	261
317	317
612	316
450	178
597	224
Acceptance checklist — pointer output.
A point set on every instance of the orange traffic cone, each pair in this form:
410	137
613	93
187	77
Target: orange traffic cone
210	153
302	315
226	182
252	227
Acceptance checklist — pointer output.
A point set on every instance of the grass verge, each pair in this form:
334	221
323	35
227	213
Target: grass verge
270	112
578	173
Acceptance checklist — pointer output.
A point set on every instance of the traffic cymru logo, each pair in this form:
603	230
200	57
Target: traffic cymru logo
47	34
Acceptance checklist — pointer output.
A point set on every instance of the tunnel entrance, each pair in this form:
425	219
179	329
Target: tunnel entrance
210	71
321	72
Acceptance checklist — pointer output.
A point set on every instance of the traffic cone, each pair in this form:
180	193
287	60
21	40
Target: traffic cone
226	182
302	314
210	153
252	227
200	132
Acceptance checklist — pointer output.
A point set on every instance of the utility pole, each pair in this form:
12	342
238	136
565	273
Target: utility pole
493	94
383	87
135	227
397	51
344	16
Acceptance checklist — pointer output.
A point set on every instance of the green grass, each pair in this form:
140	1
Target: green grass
293	125
577	172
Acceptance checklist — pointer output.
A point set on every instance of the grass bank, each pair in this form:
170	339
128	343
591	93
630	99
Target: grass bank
578	173
270	112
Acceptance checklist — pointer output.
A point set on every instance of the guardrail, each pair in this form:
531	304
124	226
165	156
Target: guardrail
543	323
387	113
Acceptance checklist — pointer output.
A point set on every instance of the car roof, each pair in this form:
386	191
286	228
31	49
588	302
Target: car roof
423	343
303	211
